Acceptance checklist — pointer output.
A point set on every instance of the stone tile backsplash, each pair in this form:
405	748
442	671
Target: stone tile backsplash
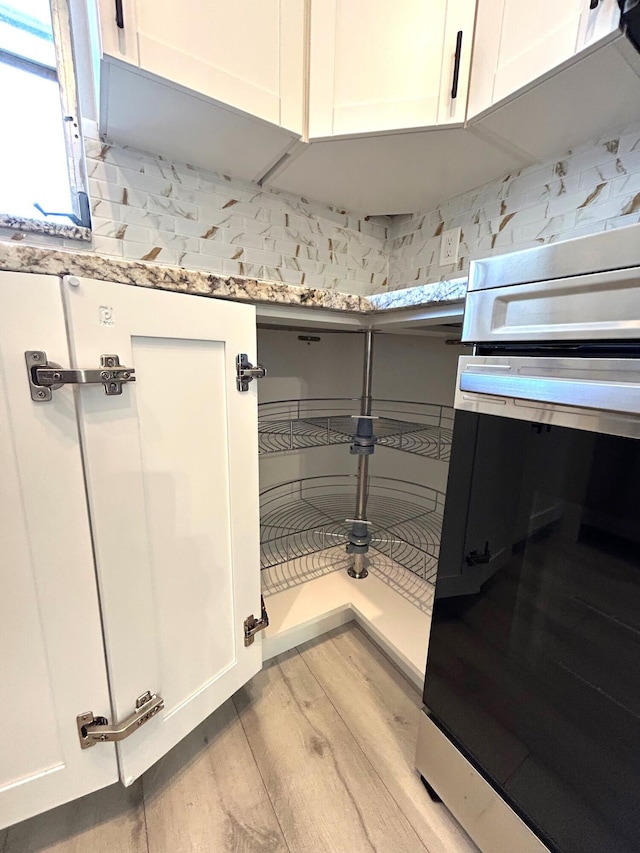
590	189
146	208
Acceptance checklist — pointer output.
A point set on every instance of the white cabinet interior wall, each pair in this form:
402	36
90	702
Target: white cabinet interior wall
171	477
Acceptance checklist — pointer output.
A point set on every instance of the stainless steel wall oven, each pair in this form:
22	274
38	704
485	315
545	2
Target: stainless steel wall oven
531	730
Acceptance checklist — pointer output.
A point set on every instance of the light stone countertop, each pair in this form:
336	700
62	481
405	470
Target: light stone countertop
33	259
423	294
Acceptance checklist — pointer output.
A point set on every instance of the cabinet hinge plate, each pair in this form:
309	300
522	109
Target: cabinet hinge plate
252	625
93	730
246	372
47	376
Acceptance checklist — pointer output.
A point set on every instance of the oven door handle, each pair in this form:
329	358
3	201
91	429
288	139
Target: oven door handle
581	393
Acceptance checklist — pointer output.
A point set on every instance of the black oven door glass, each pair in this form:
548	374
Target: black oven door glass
534	656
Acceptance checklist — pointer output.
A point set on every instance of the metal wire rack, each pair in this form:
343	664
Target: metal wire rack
421	428
309	515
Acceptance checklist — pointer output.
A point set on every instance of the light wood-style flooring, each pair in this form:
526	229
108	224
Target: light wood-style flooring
314	755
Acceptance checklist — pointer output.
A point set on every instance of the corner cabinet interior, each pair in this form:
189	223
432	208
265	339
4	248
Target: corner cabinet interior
307	417
378	67
168	468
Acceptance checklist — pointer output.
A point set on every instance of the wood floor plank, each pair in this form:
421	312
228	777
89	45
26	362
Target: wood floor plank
108	821
326	794
207	794
381	709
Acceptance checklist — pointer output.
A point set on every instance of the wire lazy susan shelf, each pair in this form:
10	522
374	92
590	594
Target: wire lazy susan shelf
421	428
305	516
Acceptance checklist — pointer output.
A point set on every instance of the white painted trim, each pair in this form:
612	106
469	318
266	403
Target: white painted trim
316	606
389	320
289	638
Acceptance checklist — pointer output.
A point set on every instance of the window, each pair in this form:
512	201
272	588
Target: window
40	146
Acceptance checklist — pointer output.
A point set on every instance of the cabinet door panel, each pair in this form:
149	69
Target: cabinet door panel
53	665
120	42
173	489
460	19
535	38
241	52
375	66
598	23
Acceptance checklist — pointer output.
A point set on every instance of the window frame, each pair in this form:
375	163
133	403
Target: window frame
64	75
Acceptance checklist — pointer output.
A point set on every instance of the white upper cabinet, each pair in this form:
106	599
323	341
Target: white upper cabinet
172	480
51	652
535	37
118	29
598	23
518	43
381	66
248	54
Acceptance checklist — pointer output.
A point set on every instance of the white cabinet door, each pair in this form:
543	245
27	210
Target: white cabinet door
118	29
172	479
456	61
535	38
379	66
596	24
51	651
518	44
245	53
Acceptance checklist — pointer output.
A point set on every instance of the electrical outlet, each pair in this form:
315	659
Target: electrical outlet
449	246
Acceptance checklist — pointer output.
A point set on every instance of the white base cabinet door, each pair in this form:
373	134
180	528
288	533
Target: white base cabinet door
172	481
52	660
129	528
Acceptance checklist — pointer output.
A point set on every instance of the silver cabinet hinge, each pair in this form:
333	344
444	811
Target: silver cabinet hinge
93	730
246	372
47	376
252	625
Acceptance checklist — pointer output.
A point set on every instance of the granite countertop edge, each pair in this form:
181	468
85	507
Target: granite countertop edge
47	261
48	228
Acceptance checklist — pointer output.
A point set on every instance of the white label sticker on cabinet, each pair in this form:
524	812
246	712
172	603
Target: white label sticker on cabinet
106	316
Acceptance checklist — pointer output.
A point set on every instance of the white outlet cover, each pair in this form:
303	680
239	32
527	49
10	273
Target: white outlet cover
449	247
